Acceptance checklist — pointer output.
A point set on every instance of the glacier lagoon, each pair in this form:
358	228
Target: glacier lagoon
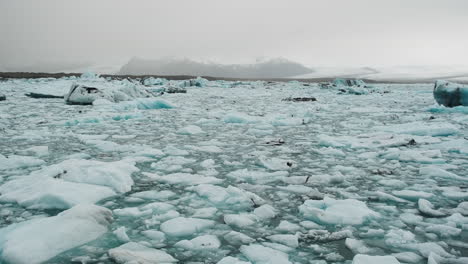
231	172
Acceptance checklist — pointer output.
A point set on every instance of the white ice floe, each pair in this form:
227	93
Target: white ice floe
182	227
337	212
136	253
366	259
38	240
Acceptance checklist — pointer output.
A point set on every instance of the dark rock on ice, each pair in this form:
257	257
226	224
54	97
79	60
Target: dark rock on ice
175	90
41	96
2	97
450	94
301	99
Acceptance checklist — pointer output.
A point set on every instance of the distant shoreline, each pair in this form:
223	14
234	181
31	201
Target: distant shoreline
37	75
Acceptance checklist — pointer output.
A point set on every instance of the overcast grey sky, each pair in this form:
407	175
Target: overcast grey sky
313	32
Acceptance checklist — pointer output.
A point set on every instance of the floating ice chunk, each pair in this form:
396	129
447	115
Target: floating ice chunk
172	163
443	230
275	164
259	254
421	129
427	208
398	238
180	226
357	246
412	195
429	247
190	130
450	94
366	259
237	238
136	253
116	175
144	104
287	240
184	179
239	118
265	212
433	171
232	260
154	81
420	156
154	235
388	197
206	242
240	220
43	192
121	234
462	208
301	189
37	240
408	257
230	197
287	226
154	195
257	176
337	212
39	151
208	212
18	162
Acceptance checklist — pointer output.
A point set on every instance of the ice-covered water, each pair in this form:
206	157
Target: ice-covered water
229	172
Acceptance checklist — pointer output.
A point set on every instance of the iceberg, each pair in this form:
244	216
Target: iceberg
450	94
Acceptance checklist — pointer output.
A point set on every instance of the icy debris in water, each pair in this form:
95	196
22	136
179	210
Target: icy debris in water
412	195
326	236
45	238
205	242
208	213
190	130
287	240
154	195
241	221
421	129
433	171
259	254
265	212
276	164
286	226
257	176
408	257
181	227
337	212
39	151
239	118
121	234
184	178
462	208
357	246
144	104
232	260
420	156
154	235
18	162
427	208
237	238
366	259
230	197
136	253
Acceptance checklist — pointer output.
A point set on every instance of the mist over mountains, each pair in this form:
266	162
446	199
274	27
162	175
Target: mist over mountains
271	68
